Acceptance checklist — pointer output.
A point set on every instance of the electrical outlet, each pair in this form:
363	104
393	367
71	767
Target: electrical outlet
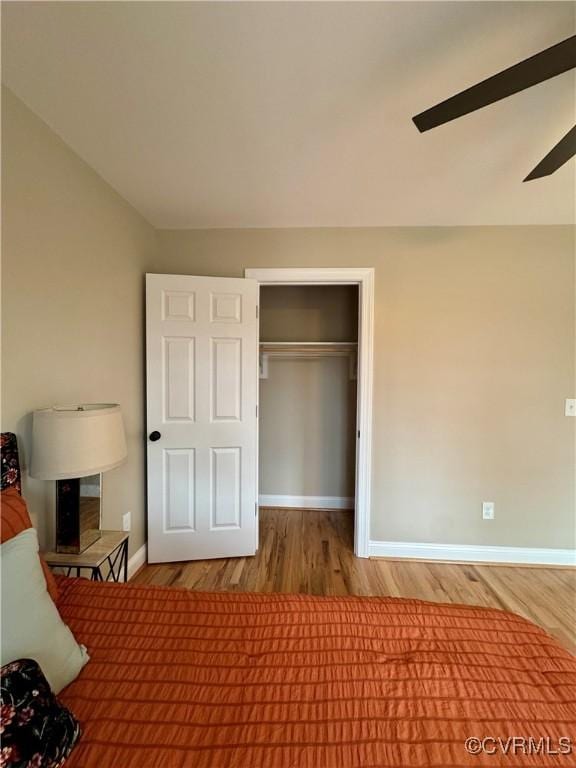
570	409
126	521
488	510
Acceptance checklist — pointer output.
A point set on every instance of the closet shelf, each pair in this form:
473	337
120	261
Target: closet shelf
307	348
297	350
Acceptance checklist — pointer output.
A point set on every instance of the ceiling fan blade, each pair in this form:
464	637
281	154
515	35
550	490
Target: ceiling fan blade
542	66
558	155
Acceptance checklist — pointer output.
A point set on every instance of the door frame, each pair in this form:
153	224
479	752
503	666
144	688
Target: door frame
363	277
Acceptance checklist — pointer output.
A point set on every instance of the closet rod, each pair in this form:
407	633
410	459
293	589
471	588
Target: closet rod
307	348
295	350
339	345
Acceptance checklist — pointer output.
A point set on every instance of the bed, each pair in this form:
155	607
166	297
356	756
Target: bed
182	679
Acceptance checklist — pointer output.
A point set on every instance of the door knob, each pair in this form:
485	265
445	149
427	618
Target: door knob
155	436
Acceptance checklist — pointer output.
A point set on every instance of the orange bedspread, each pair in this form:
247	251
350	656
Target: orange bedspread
182	679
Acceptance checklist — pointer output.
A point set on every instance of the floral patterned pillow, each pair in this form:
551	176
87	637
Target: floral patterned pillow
36	731
9	461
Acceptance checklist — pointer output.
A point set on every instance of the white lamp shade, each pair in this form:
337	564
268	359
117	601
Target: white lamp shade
76	441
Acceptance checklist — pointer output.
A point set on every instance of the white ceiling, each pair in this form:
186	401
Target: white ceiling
298	114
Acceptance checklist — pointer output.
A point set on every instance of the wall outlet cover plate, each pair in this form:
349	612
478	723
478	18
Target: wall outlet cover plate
488	510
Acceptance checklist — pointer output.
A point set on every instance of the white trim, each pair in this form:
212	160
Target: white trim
470	553
309	275
363	277
137	560
307	502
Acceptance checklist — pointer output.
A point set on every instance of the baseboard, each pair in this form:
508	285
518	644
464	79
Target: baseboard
472	554
307	502
137	560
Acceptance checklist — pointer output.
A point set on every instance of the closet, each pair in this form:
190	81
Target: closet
307	396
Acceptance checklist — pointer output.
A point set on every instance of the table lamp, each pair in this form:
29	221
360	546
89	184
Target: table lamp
74	444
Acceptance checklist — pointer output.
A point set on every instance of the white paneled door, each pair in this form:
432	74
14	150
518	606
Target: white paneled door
202	353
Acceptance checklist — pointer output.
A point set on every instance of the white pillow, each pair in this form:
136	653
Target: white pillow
31	625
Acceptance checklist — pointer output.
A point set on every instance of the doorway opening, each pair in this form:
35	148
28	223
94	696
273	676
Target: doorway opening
315	389
307	401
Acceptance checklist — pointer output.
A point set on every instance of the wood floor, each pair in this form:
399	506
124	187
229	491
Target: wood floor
310	552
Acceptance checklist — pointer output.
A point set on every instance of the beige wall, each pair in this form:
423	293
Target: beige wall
307	419
474	356
73	256
308	406
474	346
